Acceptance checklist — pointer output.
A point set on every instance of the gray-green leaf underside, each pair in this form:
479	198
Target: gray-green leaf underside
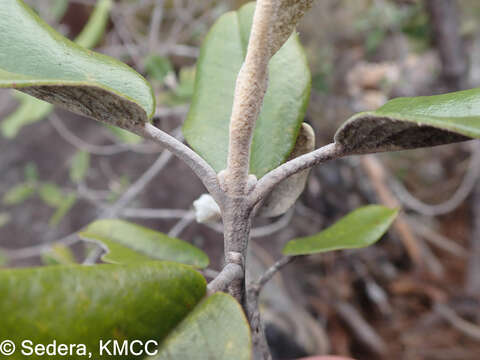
39	61
408	123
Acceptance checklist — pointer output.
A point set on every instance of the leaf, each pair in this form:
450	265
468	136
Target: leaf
158	67
18	194
408	123
59	8
207	125
37	60
93	31
28	112
360	228
31	172
59	255
51	195
124	136
288	14
216	330
4	219
79	167
85	304
62	209
287	192
130	243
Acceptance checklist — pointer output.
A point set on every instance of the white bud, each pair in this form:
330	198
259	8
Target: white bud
206	209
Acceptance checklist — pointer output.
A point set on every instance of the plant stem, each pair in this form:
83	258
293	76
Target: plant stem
266	184
250	89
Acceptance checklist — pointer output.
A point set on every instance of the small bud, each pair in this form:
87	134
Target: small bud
206	209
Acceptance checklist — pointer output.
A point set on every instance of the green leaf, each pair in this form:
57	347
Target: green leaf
18	194
31	172
408	123
37	60
28	112
221	56
360	228
158	67
59	8
59	255
51	195
79	167
93	31
4	219
285	194
32	110
85	304
130	243
62	209
124	136
216	330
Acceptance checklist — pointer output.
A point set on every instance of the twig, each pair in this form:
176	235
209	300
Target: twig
364	332
465	188
80	144
199	166
154	213
228	274
266	184
138	186
250	89
186	220
155	24
468	328
378	177
257	286
437	239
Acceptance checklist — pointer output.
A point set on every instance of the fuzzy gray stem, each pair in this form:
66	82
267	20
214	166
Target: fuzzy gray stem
250	89
199	166
266	184
229	273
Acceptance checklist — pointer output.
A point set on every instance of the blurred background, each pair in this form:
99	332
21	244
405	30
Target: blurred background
414	295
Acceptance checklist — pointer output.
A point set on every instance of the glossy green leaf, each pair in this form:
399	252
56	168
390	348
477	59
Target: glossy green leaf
360	228
85	304
221	56
37	60
79	166
62	209
216	330
19	193
408	123
130	243
93	31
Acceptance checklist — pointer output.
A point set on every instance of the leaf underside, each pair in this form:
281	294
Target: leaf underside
37	60
409	123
